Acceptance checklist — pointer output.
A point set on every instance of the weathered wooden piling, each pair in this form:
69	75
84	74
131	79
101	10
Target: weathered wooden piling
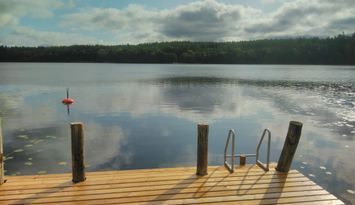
242	160
202	149
1	158
290	146
77	149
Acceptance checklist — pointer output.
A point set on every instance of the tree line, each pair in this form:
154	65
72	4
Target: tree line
339	50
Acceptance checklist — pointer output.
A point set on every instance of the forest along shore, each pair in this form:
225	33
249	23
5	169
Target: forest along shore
339	50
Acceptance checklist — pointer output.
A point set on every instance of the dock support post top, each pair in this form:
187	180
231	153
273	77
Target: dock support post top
1	157
290	146
202	149
242	160
77	148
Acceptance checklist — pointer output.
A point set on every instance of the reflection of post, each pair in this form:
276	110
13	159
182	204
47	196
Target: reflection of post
202	149
77	149
290	146
1	158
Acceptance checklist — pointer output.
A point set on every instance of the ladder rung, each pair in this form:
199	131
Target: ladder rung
239	155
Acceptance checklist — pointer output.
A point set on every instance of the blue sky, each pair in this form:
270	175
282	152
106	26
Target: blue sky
68	22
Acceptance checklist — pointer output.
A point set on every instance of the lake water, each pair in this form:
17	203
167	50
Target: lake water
145	116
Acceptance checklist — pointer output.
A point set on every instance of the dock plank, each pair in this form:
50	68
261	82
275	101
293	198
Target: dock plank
247	185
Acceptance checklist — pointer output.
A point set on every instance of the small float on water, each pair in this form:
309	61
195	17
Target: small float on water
68	101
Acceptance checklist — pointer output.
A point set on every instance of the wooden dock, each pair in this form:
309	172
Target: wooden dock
247	185
203	184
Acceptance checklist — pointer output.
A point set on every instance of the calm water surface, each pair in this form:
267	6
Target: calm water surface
145	116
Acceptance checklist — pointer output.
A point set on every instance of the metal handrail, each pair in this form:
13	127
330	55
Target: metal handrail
257	161
230	167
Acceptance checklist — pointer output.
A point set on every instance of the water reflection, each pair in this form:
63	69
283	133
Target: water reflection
149	120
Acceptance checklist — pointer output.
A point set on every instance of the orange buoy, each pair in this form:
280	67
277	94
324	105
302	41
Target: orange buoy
68	100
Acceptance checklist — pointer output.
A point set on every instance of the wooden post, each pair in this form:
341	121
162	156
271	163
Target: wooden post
242	160
77	150
1	158
202	149
290	146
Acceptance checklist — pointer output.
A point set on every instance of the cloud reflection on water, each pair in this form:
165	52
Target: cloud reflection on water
151	122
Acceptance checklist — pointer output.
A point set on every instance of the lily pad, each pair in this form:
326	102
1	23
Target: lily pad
30	159
28	163
8	158
23	137
51	137
18	150
312	175
38	141
62	163
28	145
15	174
42	172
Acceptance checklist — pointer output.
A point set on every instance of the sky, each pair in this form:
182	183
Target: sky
114	22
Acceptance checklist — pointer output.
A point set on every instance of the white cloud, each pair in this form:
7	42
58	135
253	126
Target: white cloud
31	37
12	11
211	20
204	20
268	1
303	18
14	33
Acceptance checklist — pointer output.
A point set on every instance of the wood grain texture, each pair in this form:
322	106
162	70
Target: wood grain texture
202	149
247	185
77	149
1	156
290	146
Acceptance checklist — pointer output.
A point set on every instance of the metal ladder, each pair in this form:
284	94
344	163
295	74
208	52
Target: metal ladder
230	168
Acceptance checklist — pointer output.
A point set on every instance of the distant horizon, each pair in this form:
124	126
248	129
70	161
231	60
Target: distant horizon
33	23
161	42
